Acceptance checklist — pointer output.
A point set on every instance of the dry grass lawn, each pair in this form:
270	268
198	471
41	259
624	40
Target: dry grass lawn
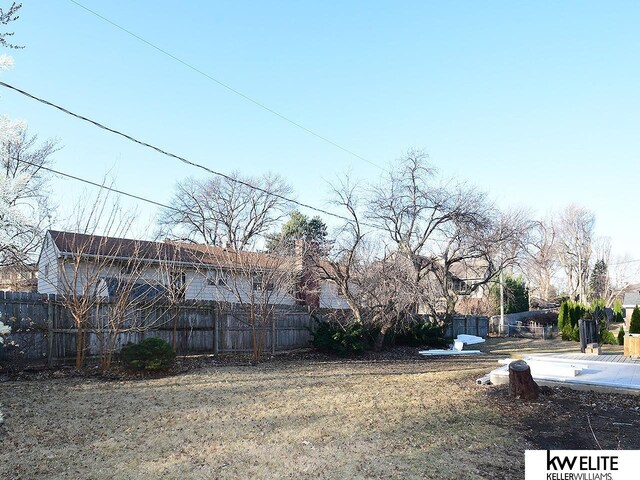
421	418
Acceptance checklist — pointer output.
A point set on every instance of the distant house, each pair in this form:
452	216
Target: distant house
469	280
629	302
90	264
18	278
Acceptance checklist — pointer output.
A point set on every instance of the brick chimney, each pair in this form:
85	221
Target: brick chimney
308	287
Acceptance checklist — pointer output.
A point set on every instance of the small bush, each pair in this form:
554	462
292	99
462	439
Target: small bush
149	354
621	336
606	337
342	340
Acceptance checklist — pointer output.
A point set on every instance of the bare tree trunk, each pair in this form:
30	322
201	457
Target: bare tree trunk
174	340
380	337
81	339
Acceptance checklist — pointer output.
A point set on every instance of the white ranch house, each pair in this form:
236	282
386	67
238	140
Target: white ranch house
90	264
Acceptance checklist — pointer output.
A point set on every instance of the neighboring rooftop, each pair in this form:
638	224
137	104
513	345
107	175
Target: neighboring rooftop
70	243
631	299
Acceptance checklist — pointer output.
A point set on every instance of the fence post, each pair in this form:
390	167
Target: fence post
216	330
50	313
273	335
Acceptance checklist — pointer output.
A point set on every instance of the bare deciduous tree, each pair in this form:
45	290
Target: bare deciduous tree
223	212
252	286
622	273
574	229
89	258
347	261
540	262
444	230
146	290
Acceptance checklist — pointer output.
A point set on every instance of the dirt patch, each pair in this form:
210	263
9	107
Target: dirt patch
562	418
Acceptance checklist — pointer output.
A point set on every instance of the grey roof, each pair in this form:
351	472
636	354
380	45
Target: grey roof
631	299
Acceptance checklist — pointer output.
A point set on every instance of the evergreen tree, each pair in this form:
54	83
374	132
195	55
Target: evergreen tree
563	316
634	325
576	312
298	227
516	295
598	280
617	311
621	336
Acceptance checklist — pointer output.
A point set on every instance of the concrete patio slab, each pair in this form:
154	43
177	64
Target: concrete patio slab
609	373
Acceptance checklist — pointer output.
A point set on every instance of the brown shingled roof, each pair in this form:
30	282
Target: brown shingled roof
70	243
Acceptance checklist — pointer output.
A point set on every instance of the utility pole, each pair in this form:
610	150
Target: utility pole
501	299
580	282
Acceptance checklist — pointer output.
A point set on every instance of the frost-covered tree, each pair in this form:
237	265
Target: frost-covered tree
25	210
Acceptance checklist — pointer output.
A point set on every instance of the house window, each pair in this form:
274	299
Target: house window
260	283
46	270
460	286
216	277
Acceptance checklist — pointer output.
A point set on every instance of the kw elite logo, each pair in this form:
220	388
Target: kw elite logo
581	464
599	467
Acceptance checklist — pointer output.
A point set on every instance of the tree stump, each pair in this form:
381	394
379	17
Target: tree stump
521	384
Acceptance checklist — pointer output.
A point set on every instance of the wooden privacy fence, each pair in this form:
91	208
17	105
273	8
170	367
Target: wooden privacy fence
44	329
467	324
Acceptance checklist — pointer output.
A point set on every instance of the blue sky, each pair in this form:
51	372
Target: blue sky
535	102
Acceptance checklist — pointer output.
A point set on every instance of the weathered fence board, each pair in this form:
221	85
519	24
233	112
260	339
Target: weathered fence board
44	328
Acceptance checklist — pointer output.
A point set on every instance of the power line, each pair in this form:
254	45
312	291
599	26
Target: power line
178	157
626	261
226	86
100	185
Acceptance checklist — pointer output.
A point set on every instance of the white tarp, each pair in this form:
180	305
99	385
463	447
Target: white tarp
431	353
463	339
458	346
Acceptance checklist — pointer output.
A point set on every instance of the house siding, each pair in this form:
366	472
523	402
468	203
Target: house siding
64	277
198	288
48	268
329	297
